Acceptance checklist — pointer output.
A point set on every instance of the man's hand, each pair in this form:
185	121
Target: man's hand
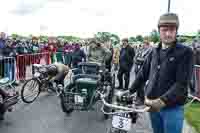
156	105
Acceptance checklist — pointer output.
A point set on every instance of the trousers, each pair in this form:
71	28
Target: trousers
168	120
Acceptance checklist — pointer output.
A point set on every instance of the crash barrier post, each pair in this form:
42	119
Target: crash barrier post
24	63
7	71
195	92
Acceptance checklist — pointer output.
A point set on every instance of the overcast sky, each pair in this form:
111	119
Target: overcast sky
86	17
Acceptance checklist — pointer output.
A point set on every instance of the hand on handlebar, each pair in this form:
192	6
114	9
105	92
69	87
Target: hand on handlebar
155	105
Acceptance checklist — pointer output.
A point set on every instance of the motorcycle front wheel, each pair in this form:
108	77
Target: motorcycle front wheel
30	90
114	130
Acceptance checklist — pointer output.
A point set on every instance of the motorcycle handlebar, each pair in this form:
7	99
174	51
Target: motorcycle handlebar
125	109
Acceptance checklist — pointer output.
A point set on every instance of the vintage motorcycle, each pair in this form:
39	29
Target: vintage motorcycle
12	98
124	111
40	81
81	92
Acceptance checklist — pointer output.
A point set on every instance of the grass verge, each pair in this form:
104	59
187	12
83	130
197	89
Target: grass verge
192	115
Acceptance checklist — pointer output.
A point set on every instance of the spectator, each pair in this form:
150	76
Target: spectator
59	53
98	53
67	54
115	59
2	40
21	59
77	56
108	62
139	60
52	48
127	54
9	65
2	45
167	72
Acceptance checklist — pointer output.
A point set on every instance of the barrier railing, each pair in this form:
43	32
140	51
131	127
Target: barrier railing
7	70
195	92
24	64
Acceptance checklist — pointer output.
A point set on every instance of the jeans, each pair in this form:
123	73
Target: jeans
9	70
168	120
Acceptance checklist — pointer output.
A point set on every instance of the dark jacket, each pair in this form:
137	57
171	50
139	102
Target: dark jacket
168	79
2	43
77	57
126	58
196	57
8	52
21	49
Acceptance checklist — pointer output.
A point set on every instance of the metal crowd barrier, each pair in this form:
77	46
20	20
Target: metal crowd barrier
195	92
24	64
7	71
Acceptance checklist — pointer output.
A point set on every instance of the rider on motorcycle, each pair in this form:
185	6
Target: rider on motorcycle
98	53
57	72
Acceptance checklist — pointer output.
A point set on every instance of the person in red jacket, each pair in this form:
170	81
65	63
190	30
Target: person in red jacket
52	48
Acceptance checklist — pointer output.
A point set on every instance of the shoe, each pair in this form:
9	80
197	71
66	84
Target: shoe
10	109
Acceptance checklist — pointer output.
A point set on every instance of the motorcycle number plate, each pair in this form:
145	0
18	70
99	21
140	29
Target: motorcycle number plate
121	123
78	99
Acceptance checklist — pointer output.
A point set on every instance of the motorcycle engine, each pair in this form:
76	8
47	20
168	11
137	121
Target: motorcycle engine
123	98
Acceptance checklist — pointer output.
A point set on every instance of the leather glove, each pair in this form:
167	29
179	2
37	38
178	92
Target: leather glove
156	105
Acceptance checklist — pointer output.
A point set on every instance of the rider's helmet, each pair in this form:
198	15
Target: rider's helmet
168	19
52	70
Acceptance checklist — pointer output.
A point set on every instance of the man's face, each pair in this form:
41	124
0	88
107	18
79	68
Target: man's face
108	44
2	35
168	34
9	43
124	43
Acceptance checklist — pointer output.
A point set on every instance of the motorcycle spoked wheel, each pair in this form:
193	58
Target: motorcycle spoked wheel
109	99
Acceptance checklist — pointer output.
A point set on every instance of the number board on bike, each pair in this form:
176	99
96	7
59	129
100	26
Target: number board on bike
78	99
121	122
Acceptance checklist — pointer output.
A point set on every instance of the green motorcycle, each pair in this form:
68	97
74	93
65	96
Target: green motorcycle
81	93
